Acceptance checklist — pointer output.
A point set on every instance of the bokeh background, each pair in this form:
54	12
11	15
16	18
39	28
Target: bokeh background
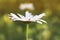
16	30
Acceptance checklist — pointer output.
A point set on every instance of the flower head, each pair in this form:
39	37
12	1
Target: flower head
28	17
24	6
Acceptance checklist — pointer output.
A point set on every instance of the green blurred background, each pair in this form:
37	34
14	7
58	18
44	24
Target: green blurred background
16	30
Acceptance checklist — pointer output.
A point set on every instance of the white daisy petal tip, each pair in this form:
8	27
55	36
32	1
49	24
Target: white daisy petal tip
39	22
43	14
43	21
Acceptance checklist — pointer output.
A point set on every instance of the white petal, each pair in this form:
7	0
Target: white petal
43	21
39	22
35	18
31	16
13	17
28	15
41	15
21	16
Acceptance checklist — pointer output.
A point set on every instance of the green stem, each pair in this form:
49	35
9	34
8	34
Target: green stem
27	31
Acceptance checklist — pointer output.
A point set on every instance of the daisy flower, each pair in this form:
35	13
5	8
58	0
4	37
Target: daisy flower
24	6
28	17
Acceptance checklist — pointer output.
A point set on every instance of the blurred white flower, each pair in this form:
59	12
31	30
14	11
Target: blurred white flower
28	17
24	6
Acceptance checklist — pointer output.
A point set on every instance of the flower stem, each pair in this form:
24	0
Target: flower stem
27	31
